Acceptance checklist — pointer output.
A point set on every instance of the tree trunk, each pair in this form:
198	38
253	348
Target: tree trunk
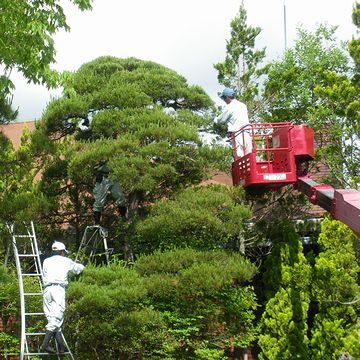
134	200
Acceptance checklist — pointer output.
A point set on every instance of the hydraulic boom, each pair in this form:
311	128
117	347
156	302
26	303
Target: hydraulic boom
343	205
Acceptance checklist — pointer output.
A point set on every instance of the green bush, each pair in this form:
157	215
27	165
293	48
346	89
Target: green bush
9	302
172	305
204	217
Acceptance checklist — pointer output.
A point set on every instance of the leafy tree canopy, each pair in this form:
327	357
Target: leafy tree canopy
291	81
26	45
119	85
315	83
7	113
141	117
27	29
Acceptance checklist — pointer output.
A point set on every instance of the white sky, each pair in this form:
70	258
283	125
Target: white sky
188	36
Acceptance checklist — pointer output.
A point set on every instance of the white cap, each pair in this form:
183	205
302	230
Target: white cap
58	246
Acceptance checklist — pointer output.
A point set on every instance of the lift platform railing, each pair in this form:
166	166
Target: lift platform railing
277	150
261	135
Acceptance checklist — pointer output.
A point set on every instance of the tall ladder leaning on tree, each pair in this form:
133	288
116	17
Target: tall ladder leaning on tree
28	265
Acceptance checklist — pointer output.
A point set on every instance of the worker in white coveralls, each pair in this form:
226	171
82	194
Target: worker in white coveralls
103	185
235	116
55	276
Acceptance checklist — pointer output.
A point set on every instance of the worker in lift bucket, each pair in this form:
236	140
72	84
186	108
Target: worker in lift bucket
235	116
55	277
103	185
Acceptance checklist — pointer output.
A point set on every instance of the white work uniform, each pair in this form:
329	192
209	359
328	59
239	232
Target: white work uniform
235	115
55	275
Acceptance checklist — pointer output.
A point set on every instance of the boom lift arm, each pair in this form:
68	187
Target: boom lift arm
343	205
279	156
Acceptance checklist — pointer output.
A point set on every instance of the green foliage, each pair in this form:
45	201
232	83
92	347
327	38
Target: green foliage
205	353
203	217
339	114
336	290
315	84
173	305
10	319
150	153
290	82
18	198
9	291
206	297
7	113
286	281
27	44
28	27
187	303
111	320
9	298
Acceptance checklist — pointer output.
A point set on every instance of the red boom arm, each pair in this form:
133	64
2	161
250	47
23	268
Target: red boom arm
343	205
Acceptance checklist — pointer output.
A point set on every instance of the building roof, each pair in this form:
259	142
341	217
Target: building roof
14	131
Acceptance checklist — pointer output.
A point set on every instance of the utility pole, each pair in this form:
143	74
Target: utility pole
285	42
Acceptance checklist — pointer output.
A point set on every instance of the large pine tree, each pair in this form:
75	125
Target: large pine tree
139	116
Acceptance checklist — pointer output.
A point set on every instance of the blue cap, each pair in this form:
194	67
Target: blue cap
227	92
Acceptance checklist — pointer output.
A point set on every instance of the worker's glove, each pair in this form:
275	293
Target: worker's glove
219	129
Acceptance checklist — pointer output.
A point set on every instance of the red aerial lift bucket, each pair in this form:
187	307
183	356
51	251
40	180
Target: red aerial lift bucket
276	154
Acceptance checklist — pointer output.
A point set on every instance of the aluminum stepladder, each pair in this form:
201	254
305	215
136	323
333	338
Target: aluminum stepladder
94	237
28	265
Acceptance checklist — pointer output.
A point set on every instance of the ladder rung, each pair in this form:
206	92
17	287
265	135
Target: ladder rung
32	274
35	313
33	294
27	255
24	236
34	334
46	353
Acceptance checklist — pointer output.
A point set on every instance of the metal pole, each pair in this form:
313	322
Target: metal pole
22	300
285	40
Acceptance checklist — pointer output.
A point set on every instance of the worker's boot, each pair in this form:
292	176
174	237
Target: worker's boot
60	341
45	345
97	217
122	211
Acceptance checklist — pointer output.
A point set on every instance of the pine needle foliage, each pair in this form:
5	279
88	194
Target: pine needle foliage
171	305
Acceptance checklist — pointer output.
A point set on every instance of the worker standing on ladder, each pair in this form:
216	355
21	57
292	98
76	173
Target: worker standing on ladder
103	185
235	116
55	276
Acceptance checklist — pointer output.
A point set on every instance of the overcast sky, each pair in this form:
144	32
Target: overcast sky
188	36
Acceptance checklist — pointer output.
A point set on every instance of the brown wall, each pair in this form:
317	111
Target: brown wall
14	131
